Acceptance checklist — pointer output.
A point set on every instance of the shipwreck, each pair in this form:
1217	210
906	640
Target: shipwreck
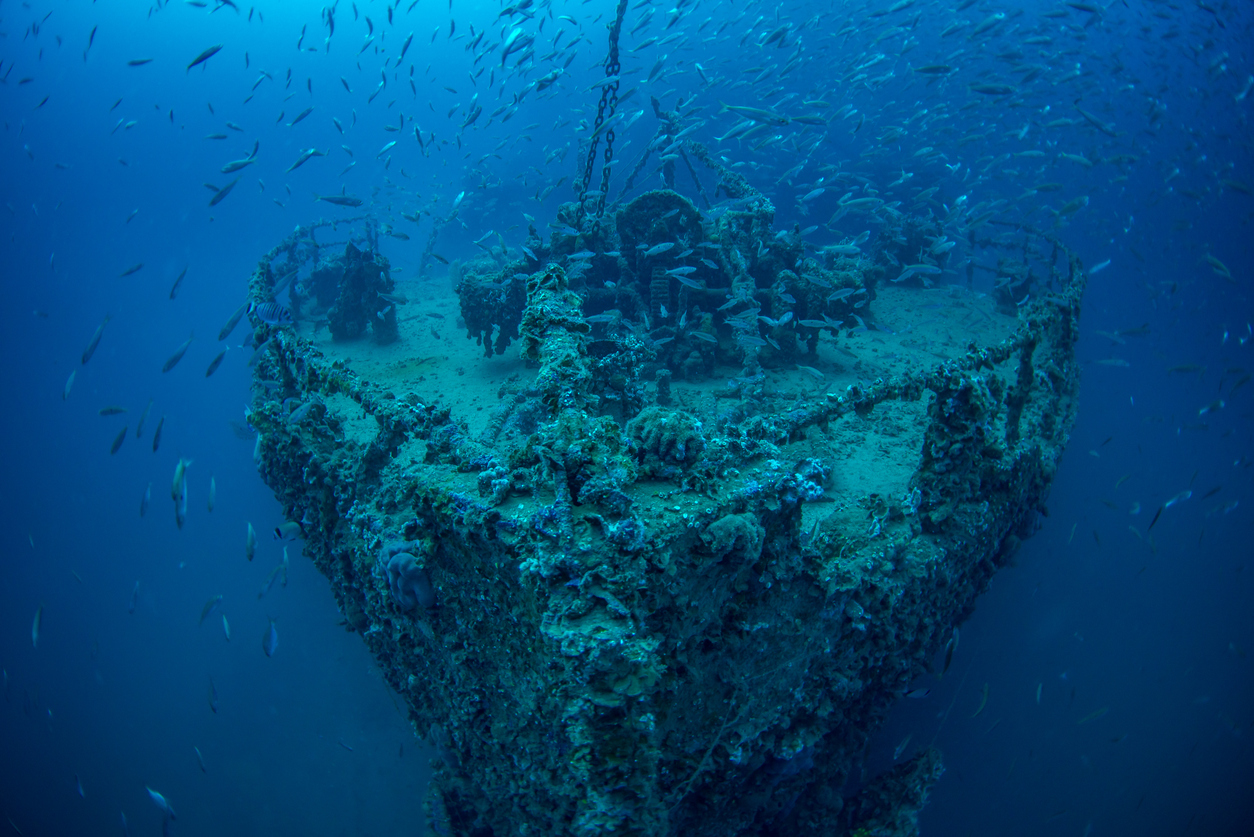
651	519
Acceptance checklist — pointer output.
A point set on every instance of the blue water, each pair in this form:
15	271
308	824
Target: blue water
1152	626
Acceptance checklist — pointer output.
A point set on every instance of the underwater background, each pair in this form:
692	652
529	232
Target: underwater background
1102	686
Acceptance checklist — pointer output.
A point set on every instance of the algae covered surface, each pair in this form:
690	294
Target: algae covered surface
650	542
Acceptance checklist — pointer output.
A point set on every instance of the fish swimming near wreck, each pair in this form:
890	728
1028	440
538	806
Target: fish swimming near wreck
174	359
226	330
272	313
161	802
211	607
304	157
95	341
339	200
216	362
204	56
220	194
270	640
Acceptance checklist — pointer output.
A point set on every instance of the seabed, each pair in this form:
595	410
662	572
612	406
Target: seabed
655	551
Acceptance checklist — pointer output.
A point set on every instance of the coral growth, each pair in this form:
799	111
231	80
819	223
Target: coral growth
361	304
408	580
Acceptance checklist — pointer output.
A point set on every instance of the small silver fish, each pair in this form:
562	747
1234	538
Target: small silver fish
260	353
304	157
1179	498
139	428
174	290
950	648
210	608
236	165
180	507
95	341
216	362
269	585
161	802
180	478
219	195
302	412
177	356
226	330
811	371
200	59
339	200
270	640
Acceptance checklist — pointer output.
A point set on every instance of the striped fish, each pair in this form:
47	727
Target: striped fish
271	313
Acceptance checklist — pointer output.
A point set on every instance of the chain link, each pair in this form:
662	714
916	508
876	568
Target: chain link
605	112
592	150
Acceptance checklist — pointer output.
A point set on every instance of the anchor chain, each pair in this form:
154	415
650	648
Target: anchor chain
605	113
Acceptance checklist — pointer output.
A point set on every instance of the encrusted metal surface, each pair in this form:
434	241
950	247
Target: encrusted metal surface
635	579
